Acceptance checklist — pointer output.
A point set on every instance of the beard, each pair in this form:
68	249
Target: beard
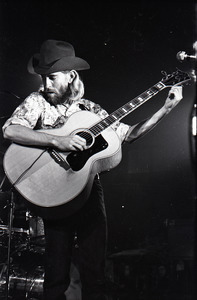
57	97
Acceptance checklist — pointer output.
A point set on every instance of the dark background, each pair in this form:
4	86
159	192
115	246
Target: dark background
127	46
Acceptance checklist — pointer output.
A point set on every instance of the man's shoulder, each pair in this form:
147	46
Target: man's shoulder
89	105
36	97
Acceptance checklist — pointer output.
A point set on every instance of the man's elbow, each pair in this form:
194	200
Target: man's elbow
8	133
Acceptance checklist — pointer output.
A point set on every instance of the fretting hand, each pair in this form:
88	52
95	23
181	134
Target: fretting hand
174	97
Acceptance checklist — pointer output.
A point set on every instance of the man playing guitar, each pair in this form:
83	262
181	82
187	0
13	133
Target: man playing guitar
87	128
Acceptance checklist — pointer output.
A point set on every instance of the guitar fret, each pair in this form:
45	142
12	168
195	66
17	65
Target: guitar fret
155	89
100	125
114	117
136	101
118	113
150	93
93	131
160	85
127	107
105	123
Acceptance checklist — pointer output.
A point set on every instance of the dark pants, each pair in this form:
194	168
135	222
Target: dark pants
90	226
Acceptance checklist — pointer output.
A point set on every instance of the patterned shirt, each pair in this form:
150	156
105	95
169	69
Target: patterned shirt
36	113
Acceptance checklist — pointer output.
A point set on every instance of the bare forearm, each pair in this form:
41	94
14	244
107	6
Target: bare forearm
27	136
138	130
143	127
151	122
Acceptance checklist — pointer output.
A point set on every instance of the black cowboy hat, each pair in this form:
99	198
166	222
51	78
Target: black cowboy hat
55	56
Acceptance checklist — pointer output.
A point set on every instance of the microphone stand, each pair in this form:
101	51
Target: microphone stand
11	215
10	225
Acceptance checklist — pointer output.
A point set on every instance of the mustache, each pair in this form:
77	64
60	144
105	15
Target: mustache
48	91
46	95
55	97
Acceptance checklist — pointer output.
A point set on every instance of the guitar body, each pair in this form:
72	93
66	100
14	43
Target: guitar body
56	187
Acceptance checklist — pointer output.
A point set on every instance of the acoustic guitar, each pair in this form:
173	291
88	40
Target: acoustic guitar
58	183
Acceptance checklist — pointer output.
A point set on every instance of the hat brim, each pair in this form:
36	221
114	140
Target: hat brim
62	64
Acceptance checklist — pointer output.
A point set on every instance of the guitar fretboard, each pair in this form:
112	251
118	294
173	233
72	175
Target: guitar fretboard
126	109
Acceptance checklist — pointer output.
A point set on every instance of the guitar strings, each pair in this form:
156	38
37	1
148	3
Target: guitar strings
125	109
120	112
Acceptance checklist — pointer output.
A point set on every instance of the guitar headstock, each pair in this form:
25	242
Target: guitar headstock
176	78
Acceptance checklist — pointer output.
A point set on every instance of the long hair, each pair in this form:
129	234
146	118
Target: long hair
76	88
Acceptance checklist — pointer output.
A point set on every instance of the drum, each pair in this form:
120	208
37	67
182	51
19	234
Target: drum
27	231
18	237
26	271
25	282
36	234
36	226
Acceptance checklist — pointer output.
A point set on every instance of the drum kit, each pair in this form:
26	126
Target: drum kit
22	247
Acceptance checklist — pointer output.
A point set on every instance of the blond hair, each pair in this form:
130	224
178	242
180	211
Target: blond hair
76	87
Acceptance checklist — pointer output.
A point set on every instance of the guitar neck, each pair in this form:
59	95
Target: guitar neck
126	109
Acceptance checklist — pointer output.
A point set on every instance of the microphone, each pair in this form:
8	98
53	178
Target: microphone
182	55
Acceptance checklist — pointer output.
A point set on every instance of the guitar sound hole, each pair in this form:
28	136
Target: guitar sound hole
77	159
87	136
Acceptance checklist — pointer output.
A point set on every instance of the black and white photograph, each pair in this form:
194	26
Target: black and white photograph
98	150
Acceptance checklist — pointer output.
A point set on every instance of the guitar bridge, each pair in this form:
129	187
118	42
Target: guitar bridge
58	158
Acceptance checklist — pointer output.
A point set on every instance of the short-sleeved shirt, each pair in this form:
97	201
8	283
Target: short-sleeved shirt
36	113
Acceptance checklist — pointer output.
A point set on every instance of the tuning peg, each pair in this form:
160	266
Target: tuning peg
164	73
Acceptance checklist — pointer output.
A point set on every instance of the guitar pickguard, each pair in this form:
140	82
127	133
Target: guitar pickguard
78	159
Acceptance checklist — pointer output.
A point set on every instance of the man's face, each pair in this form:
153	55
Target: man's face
56	86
